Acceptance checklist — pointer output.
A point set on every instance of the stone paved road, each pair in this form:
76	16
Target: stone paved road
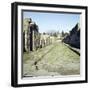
55	59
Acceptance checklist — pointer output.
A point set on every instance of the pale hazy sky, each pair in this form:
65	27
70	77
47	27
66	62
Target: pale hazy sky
53	21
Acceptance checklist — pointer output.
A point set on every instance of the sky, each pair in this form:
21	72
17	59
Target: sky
53	21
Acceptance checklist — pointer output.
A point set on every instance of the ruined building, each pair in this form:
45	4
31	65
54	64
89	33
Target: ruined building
32	38
30	35
73	38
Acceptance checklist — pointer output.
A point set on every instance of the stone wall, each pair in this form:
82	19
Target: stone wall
46	40
30	35
32	39
73	38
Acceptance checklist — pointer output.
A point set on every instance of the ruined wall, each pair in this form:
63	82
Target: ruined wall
32	38
73	38
30	35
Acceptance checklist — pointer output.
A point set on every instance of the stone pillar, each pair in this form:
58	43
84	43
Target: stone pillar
33	42
26	40
31	39
23	41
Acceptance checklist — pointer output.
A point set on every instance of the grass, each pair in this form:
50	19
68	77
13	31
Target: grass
55	59
36	55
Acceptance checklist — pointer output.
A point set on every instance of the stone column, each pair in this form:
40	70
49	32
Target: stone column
31	39
33	46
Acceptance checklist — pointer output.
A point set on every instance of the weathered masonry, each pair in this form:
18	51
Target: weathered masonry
32	38
73	38
30	35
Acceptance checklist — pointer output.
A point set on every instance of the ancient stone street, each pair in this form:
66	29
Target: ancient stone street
54	59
